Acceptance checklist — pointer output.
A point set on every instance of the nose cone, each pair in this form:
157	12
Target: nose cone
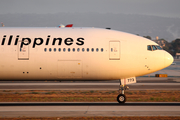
168	59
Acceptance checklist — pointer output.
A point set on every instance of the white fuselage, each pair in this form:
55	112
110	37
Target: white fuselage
52	54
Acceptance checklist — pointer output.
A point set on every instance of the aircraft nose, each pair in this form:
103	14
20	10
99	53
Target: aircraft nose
168	59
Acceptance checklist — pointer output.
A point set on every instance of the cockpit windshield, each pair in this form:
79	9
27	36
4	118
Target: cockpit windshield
158	47
153	47
149	47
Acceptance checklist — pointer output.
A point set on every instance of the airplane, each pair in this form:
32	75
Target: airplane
78	53
68	25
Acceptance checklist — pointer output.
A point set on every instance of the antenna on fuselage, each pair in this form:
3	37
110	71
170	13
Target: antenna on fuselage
62	26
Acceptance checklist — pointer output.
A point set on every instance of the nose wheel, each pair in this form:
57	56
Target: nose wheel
121	98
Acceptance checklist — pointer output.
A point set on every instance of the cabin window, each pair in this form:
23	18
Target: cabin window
101	49
149	47
87	49
78	49
59	49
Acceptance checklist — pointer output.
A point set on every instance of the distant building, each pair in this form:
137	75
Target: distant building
177	55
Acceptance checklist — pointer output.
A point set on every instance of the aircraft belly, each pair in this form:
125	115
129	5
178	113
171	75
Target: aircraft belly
35	69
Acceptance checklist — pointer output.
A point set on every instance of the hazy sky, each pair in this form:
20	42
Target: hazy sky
167	8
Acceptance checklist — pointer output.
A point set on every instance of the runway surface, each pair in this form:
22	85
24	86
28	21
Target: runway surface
88	109
143	83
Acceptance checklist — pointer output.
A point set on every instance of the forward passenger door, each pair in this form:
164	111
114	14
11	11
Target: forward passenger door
114	50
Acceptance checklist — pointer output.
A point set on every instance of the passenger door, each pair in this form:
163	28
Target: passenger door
114	50
23	53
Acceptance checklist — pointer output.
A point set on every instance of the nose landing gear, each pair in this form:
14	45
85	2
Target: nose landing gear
121	98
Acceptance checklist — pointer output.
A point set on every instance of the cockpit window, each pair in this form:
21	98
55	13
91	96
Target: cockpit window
149	47
158	47
153	47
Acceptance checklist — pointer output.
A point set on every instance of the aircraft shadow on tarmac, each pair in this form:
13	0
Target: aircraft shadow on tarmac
90	104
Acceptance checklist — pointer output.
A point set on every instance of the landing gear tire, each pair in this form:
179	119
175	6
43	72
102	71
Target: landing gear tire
121	98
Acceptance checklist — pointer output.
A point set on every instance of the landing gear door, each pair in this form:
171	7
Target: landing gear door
126	81
23	52
114	50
